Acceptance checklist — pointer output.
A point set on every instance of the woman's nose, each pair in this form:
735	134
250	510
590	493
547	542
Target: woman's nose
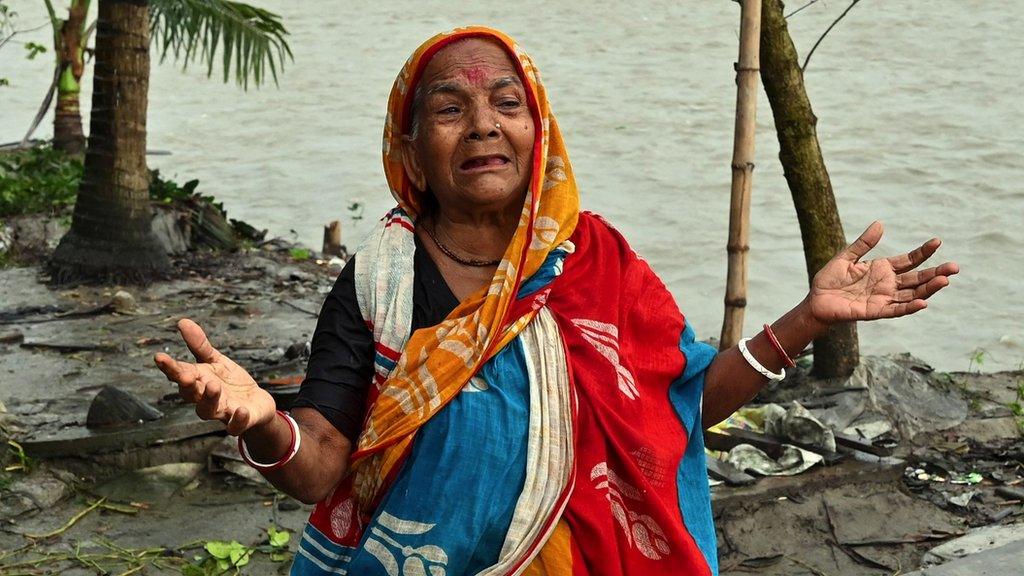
483	127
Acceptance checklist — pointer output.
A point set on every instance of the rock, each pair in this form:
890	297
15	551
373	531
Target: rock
973	542
37	491
274	355
115	407
991	562
152	484
296	350
171	229
335	264
123	302
988	430
962	500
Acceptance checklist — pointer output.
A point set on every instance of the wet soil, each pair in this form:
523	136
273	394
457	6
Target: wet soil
168	495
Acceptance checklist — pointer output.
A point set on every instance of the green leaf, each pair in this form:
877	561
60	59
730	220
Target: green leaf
219	549
34	50
240	557
279	556
278	538
299	253
250	39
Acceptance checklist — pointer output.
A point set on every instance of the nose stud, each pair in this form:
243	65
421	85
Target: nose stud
497	126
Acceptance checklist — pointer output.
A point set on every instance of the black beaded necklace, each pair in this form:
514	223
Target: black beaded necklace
448	252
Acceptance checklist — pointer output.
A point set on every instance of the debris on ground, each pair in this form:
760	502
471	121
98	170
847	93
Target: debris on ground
881	472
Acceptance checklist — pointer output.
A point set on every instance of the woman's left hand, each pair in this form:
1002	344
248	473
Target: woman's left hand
847	289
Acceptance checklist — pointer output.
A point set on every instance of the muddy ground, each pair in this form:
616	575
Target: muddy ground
153	496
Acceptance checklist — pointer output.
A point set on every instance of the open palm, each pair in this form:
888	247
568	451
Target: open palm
220	388
847	289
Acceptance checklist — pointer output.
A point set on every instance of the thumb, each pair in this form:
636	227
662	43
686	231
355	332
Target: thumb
862	245
197	341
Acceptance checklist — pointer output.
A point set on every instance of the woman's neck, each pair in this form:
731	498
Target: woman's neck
475	235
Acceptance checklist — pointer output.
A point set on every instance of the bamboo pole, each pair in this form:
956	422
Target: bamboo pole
742	172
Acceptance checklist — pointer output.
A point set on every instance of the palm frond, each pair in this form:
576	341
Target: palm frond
251	40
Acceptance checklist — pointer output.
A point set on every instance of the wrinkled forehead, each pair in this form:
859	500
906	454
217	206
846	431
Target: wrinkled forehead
475	60
472	61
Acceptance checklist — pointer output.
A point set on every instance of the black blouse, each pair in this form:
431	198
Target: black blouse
340	366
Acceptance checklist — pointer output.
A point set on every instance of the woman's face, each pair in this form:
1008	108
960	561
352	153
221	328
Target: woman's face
474	142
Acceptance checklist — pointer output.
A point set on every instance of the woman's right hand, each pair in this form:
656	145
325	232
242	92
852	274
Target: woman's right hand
220	389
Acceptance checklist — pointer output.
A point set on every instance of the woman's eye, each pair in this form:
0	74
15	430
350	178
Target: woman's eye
510	104
448	110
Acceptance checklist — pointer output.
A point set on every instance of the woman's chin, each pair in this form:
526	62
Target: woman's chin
492	194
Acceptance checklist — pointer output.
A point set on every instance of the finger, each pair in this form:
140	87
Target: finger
197	341
239	421
207	407
862	245
909	261
182	373
922	291
917	277
904	308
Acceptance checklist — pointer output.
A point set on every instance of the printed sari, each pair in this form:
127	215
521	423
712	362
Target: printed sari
549	425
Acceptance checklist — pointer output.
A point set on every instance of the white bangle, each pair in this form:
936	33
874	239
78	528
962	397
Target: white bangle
293	449
757	365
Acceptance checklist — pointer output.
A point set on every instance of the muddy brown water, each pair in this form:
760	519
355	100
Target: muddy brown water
917	108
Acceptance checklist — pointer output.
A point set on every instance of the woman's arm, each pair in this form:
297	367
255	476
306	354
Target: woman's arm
844	290
321	460
730	381
223	390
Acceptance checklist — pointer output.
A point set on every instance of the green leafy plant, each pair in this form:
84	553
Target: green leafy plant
300	254
21	460
278	541
223	557
34	50
977	357
1017	407
37	180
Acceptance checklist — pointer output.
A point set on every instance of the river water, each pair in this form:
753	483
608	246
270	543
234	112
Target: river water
919	108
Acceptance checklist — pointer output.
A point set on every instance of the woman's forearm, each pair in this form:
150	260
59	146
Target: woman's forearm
320	463
731	382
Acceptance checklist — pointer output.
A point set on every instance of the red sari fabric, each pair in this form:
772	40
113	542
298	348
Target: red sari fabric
622	331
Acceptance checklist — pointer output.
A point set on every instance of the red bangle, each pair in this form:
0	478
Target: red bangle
293	447
778	347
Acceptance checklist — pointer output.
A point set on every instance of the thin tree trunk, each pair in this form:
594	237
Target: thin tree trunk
742	173
70	50
836	353
111	236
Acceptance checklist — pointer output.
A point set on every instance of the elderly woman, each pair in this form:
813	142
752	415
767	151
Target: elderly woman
498	384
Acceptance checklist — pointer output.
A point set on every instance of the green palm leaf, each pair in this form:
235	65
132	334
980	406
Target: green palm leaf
251	40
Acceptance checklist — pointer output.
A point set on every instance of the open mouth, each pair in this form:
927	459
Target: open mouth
479	163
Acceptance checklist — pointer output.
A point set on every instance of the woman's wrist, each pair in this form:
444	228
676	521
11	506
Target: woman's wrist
268	441
806	320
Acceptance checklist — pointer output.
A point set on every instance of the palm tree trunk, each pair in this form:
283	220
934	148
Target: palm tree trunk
836	353
70	49
111	236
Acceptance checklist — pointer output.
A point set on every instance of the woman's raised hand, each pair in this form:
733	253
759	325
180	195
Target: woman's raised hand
220	389
847	289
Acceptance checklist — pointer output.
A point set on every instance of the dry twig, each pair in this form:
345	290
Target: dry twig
825	33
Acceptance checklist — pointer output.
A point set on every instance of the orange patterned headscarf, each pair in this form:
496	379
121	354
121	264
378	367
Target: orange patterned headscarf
437	362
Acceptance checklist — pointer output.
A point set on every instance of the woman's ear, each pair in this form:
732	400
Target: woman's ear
411	163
